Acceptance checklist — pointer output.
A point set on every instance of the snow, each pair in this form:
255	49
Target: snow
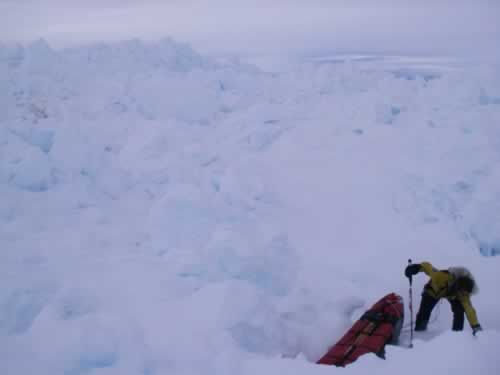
476	355
163	212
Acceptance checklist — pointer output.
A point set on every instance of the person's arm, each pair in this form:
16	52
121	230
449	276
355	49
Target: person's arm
428	268
470	312
413	269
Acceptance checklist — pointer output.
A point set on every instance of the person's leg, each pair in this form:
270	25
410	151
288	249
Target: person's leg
458	315
424	312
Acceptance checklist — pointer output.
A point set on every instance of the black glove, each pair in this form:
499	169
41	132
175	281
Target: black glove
476	329
412	269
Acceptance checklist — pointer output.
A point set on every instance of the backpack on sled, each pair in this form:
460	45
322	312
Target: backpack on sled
378	326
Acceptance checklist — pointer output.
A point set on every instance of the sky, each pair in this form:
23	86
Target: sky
259	27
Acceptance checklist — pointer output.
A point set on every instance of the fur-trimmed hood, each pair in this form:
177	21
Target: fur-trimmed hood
464	272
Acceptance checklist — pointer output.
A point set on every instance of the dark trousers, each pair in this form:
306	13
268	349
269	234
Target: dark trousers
424	313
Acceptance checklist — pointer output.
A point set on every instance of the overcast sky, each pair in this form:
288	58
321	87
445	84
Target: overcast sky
259	27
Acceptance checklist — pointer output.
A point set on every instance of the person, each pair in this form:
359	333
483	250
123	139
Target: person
456	285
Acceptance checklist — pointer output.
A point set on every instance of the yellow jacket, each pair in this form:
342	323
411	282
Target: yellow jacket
439	286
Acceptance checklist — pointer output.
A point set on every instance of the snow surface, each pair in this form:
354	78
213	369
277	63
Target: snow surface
165	213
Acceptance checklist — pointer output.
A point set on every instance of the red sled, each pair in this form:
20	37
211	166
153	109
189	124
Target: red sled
378	326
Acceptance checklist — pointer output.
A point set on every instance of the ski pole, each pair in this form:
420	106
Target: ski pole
411	308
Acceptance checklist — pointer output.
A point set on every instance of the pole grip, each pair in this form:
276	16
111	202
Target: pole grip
411	277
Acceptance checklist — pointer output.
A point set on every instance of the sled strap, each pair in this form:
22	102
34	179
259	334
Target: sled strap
360	337
379	317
